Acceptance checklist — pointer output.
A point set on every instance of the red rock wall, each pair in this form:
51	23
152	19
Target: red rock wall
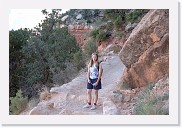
146	52
80	32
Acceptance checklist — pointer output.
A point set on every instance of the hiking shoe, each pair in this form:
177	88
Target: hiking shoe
93	107
86	106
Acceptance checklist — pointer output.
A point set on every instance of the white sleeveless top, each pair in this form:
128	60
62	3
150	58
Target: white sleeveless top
94	73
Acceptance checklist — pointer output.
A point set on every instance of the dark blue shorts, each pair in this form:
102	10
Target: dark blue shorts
90	86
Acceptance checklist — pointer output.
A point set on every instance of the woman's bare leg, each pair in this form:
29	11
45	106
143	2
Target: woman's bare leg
95	96
89	96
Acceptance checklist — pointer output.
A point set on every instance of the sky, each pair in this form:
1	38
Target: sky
26	18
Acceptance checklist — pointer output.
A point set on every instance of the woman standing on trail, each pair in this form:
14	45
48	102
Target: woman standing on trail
94	80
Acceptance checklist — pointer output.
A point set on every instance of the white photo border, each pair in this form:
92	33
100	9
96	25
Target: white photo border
171	119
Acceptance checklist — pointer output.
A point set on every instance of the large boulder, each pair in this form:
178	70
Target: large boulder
109	108
146	52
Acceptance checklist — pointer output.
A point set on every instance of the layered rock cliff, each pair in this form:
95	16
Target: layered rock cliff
80	32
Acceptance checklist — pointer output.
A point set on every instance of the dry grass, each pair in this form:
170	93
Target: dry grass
149	103
44	94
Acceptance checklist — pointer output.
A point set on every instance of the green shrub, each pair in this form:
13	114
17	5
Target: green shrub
94	33
118	22
118	34
112	14
101	36
98	21
150	86
132	16
126	86
79	59
98	35
89	21
151	104
109	26
18	103
90	47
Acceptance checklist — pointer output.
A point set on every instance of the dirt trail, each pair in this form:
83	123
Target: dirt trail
69	98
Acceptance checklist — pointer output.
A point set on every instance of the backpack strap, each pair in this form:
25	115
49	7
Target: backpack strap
99	64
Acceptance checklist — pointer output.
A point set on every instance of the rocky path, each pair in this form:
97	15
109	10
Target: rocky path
69	98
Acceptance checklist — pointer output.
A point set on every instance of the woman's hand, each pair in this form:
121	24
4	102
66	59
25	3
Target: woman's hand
96	83
89	81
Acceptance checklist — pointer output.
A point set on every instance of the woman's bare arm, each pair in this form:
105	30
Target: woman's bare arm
88	73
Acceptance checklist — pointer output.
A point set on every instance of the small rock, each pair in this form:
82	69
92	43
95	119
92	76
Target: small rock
126	98
79	17
64	18
71	27
116	97
134	25
130	26
50	105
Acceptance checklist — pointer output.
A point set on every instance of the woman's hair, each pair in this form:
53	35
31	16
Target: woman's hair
91	61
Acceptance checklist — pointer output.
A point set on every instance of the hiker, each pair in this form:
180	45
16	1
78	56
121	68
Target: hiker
94	81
